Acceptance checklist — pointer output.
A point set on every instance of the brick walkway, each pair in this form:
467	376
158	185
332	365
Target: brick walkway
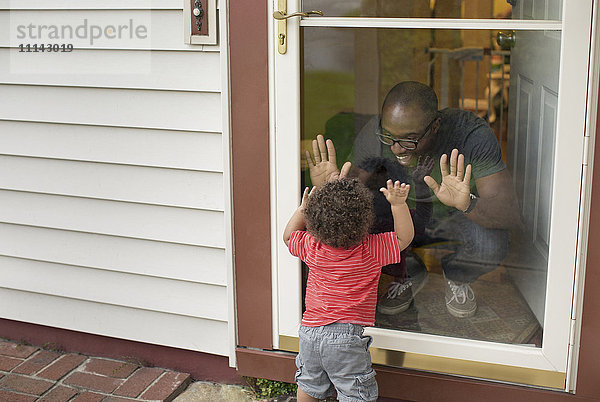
29	373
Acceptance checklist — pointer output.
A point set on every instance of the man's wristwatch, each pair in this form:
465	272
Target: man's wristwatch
472	203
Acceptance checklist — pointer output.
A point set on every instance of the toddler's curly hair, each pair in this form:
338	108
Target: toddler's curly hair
340	213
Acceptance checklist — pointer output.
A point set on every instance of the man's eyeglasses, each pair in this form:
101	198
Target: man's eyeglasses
409	145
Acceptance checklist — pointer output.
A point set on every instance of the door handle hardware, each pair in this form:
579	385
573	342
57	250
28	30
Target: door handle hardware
281	15
506	39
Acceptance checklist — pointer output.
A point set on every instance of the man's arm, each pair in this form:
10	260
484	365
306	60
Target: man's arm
424	206
497	206
498	209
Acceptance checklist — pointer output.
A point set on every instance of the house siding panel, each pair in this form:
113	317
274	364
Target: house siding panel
114	181
119	289
171	110
113	253
171	70
179	188
173	330
190	150
83	5
140	221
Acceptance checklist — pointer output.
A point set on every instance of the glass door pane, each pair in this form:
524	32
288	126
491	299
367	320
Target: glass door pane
529	96
481	275
492	9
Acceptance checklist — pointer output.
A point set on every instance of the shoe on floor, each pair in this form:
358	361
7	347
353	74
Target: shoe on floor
460	299
399	295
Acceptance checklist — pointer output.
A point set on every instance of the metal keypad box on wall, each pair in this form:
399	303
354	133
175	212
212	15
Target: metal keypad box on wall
200	22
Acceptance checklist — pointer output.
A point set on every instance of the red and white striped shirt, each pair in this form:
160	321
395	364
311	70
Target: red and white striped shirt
342	283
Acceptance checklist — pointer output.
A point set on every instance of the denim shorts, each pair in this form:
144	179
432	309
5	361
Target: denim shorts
336	355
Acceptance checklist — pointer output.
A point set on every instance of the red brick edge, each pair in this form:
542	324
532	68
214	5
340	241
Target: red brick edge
201	366
28	373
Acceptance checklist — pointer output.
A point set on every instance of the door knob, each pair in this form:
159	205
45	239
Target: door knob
506	39
198	12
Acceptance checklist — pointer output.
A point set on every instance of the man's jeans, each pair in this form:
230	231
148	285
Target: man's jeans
477	250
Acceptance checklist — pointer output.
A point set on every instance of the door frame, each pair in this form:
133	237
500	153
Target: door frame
256	356
546	366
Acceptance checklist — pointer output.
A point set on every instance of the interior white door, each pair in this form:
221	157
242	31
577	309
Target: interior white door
531	135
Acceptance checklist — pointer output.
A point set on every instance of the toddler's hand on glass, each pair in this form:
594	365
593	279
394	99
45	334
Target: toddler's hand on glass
395	193
305	196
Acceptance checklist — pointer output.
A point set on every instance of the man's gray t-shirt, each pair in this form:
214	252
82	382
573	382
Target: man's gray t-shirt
459	129
473	138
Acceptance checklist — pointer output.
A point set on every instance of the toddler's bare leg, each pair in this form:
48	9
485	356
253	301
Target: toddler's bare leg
304	397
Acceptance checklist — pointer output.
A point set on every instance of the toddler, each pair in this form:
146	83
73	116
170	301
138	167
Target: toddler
374	172
330	233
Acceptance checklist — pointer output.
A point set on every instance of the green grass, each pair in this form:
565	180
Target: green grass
270	389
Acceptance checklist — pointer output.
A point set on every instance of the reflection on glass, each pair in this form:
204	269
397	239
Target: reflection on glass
480	274
488	9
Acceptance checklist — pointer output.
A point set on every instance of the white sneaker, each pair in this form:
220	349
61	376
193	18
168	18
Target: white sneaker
400	295
460	299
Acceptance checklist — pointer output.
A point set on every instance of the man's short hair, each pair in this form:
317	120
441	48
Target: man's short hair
340	213
412	93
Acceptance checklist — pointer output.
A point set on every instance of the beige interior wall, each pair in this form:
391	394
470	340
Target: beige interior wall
366	65
448	39
402	53
386	57
479	39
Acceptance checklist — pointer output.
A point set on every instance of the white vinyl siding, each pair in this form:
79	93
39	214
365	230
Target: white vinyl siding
116	321
170	110
115	253
145	147
171	70
140	221
114	182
